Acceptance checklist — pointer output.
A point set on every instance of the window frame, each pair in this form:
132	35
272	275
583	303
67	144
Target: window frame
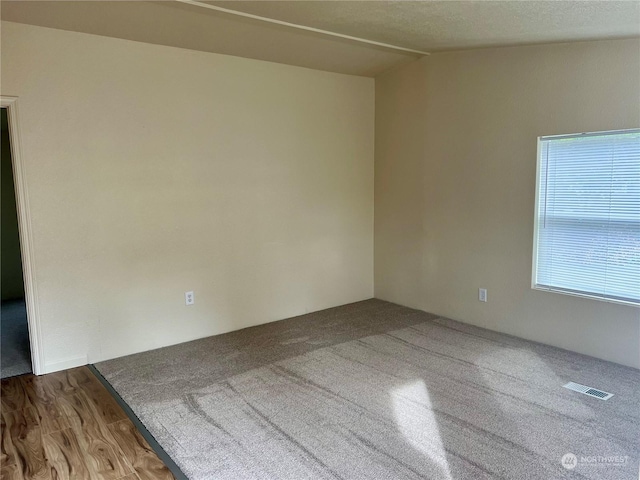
536	224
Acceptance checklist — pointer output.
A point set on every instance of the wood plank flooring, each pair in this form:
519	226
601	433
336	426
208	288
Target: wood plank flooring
67	426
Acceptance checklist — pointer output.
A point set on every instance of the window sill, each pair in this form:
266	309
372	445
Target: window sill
629	303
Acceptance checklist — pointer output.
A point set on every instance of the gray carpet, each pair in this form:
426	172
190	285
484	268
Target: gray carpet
373	390
15	351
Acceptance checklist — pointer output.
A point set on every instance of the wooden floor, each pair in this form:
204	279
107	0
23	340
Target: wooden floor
66	425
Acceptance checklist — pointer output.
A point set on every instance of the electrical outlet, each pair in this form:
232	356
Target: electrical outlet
482	294
189	298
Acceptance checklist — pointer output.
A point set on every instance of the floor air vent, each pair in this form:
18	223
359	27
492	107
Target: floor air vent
592	392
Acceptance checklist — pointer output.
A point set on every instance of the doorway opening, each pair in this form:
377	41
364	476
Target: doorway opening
15	348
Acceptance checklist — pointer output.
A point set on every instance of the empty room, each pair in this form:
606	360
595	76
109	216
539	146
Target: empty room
320	240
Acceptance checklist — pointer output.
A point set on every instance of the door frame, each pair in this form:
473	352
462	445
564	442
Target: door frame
25	232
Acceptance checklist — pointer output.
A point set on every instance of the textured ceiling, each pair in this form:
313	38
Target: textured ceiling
426	25
444	25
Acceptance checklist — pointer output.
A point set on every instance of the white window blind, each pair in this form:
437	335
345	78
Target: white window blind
588	215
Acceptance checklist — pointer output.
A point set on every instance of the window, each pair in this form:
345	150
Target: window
587	224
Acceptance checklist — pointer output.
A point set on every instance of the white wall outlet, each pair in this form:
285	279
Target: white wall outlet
482	294
189	298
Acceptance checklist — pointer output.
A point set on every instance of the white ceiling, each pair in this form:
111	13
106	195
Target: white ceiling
429	25
453	25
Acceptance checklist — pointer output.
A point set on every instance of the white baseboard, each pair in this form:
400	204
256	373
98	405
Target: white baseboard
65	364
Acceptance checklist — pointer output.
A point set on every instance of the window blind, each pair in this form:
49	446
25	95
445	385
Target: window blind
588	215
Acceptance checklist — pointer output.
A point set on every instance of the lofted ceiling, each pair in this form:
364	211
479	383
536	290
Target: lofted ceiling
429	25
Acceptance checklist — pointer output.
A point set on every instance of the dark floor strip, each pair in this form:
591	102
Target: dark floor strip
153	443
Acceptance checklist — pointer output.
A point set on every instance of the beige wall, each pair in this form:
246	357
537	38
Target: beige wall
455	184
154	170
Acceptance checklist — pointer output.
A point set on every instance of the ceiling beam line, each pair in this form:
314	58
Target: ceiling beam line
303	27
